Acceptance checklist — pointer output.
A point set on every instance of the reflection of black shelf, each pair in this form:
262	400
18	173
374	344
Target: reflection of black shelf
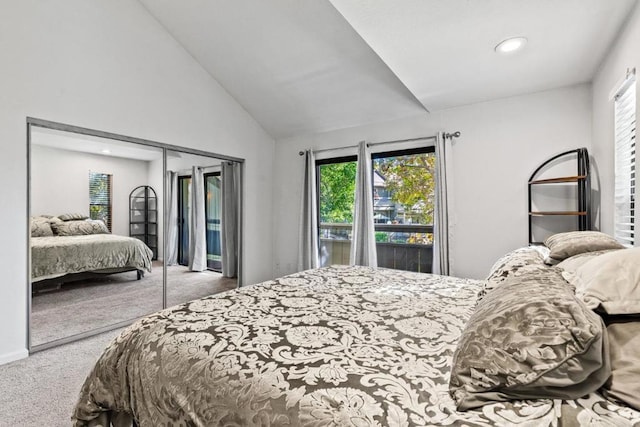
142	207
581	180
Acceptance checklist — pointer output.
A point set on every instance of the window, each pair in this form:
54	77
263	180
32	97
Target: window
625	163
403	198
100	197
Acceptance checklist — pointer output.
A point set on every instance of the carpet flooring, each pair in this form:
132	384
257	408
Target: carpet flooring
42	389
87	305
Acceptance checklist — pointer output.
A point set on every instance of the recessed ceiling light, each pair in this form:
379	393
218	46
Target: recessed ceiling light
511	45
106	151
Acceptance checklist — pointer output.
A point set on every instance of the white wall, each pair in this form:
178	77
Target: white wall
60	182
502	142
108	65
624	54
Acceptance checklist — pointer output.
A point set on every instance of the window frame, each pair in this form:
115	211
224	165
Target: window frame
425	228
415	228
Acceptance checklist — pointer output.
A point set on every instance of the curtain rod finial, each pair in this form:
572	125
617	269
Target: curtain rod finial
301	153
455	134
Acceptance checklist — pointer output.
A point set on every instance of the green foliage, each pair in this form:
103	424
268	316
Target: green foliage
411	183
337	187
382	237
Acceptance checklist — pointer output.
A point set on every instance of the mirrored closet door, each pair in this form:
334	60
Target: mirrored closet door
203	225
95	238
100	206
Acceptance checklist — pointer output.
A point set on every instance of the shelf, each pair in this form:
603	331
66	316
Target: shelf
575	178
551	213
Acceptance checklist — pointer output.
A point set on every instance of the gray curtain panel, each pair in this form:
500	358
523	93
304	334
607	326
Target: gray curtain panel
441	210
308	245
198	228
363	240
229	219
172	218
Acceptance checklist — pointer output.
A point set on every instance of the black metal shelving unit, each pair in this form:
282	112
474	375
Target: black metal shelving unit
143	217
583	181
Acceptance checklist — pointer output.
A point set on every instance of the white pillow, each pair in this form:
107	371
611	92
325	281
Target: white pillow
609	282
571	264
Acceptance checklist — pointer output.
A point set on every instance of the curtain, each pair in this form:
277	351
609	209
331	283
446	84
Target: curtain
441	210
308	244
198	228
229	219
363	241
172	217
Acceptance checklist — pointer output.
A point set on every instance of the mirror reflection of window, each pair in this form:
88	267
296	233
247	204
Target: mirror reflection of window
100	197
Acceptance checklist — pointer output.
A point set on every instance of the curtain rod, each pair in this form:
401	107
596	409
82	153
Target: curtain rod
455	134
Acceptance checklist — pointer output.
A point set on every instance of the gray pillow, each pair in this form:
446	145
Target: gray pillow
40	227
72	216
529	338
565	245
79	228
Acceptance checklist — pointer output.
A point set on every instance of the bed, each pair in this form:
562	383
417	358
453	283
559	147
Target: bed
63	251
360	346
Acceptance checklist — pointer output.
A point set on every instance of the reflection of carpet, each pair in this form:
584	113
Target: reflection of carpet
91	304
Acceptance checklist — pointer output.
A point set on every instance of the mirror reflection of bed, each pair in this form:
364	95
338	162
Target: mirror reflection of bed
97	235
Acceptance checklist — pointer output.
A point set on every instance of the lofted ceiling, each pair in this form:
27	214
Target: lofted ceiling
304	66
443	51
295	65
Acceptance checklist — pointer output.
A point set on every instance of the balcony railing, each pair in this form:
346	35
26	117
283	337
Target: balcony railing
401	246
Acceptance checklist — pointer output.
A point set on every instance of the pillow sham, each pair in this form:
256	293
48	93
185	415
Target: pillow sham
72	217
79	228
40	227
572	263
609	282
530	338
565	245
624	350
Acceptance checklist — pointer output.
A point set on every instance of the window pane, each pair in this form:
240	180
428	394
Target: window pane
404	191
336	199
100	197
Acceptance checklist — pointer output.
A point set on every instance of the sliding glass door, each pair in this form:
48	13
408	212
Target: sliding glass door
184	215
213	209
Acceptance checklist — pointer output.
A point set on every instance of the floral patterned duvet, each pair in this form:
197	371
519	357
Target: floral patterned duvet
338	346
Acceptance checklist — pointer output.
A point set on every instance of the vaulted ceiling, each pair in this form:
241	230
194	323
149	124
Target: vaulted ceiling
303	66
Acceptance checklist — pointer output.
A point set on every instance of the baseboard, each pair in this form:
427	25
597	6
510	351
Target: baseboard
13	356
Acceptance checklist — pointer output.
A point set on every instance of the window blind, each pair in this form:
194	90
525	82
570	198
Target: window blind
100	197
625	163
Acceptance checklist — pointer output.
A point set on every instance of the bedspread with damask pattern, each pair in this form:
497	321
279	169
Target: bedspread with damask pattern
338	346
55	256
